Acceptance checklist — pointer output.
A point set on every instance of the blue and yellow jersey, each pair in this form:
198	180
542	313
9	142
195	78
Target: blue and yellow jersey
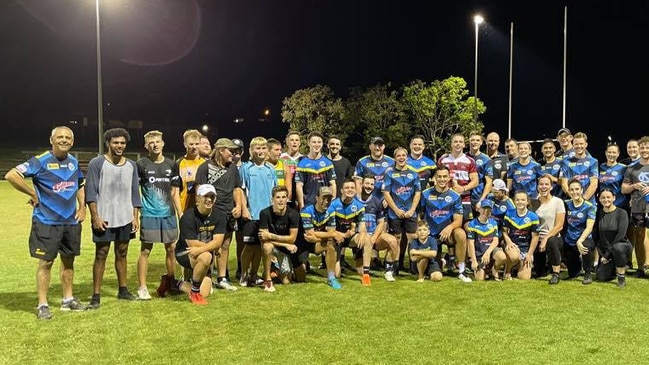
520	228
318	221
313	174
369	166
485	168
482	234
581	169
347	213
424	166
524	177
439	208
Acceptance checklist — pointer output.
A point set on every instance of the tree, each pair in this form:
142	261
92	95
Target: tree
441	109
315	109
377	111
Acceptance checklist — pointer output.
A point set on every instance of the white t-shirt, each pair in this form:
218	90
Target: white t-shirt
547	214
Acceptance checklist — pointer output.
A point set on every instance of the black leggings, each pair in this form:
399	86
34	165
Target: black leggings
621	255
552	255
575	260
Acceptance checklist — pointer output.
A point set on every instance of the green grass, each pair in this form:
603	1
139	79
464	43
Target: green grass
389	323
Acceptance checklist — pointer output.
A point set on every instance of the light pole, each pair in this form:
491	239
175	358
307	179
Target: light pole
477	19
100	101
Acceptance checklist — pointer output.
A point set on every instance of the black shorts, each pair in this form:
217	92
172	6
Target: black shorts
183	260
467	209
250	230
432	267
46	241
399	225
640	220
117	234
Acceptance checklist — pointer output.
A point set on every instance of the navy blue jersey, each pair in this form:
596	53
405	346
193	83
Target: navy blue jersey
313	174
347	213
501	207
373	214
524	177
581	169
318	221
482	234
554	169
576	218
369	166
56	182
520	228
429	245
611	177
439	208
424	166
485	168
402	186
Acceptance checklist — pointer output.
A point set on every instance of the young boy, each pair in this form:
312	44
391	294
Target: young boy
423	251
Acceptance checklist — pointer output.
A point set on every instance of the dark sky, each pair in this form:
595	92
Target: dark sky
179	64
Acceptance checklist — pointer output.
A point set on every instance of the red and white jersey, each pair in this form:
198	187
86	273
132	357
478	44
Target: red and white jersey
460	168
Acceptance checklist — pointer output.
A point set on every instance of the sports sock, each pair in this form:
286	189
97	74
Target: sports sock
366	269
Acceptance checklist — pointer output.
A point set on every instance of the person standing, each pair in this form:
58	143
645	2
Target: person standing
424	165
158	216
523	173
222	173
499	160
485	173
282	169
552	216
57	198
581	166
313	171
342	166
114	200
205	148
185	168
373	164
464	174
551	166
564	136
291	157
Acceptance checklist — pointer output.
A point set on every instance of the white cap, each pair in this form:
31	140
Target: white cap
205	189
499	184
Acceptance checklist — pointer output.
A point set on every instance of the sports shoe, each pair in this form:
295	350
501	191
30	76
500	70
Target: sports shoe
268	286
389	276
334	284
641	272
465	279
554	279
166	282
587	279
256	282
126	296
621	282
225	285
243	281
94	304
72	305
366	281
196	298
143	294
44	312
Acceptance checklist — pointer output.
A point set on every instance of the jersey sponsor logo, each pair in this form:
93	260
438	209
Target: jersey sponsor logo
153	179
22	167
438	213
62	186
402	190
52	166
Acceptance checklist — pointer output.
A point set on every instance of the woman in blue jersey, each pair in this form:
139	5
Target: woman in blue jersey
579	245
483	236
611	174
521	235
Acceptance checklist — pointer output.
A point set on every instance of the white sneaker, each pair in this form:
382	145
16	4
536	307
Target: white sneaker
224	284
143	294
465	279
389	276
244	280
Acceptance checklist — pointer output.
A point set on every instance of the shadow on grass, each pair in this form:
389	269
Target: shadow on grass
19	301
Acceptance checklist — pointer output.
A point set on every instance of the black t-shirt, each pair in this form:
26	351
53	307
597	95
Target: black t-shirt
279	224
224	180
195	226
344	170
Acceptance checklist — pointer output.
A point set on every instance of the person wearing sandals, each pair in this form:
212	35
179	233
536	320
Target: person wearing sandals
614	248
579	244
552	216
521	236
483	236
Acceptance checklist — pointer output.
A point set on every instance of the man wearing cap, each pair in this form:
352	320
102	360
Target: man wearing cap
320	236
223	175
313	171
374	164
564	136
483	242
502	202
202	230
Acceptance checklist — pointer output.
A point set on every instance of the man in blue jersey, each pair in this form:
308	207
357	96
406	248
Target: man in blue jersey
581	166
375	227
485	170
57	198
313	171
113	197
320	236
551	165
348	212
424	165
374	164
442	209
158	216
258	179
402	191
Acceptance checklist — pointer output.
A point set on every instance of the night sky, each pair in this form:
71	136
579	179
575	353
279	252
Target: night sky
180	64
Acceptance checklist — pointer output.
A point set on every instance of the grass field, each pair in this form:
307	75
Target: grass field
389	323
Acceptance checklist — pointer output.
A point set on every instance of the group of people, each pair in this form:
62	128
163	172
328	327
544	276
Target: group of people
499	215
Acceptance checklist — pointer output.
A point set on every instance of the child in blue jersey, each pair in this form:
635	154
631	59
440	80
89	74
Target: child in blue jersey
423	255
579	243
521	233
483	239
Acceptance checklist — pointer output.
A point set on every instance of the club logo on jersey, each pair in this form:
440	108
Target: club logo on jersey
322	164
580	215
384	164
498	165
410	176
448	199
62	186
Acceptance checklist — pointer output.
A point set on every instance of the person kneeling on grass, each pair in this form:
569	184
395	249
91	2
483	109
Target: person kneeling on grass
483	238
202	230
278	227
521	234
423	253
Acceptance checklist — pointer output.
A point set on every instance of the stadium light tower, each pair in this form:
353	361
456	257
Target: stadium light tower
477	20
